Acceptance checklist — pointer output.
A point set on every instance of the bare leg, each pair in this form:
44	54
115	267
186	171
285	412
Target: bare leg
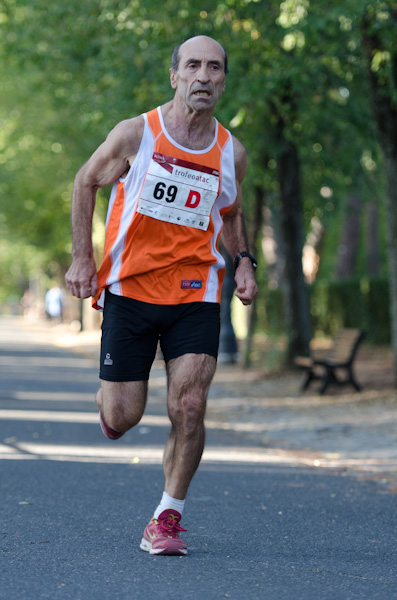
189	379
122	403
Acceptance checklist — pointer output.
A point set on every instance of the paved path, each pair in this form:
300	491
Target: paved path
73	505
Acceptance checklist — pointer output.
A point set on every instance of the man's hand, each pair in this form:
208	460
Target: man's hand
81	279
245	281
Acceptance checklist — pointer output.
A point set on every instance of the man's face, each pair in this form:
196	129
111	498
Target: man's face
200	78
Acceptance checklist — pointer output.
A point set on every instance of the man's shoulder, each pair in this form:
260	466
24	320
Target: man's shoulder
240	158
132	126
240	154
127	134
239	148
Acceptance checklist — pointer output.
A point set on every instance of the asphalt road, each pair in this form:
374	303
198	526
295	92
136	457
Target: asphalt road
73	505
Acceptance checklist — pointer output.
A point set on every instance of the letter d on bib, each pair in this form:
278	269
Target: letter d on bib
193	199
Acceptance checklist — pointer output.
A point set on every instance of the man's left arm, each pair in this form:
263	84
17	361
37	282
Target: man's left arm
234	235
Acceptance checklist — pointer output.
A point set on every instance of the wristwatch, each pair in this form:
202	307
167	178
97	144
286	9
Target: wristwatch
241	255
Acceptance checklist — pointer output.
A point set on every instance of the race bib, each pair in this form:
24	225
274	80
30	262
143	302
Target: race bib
179	192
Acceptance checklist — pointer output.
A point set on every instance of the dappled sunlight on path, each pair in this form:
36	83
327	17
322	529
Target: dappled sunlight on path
346	431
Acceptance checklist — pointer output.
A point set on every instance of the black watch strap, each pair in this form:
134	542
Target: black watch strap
241	255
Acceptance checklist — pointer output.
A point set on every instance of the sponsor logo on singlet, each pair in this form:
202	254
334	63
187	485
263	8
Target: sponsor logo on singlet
190	284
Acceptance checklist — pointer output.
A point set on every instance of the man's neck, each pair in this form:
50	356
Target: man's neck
190	129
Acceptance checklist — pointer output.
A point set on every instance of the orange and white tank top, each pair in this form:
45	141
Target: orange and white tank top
165	218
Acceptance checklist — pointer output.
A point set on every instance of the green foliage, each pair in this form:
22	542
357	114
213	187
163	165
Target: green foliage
17	261
377	303
271	314
71	70
344	306
357	303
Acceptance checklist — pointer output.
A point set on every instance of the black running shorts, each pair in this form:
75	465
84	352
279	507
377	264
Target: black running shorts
132	329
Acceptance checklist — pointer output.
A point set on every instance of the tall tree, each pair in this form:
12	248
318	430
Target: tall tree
379	35
348	247
291	202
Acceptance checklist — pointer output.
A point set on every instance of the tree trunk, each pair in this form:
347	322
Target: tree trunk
385	112
373	240
348	247
391	206
253	235
228	350
296	292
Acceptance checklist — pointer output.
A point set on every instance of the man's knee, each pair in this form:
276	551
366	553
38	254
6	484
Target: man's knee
189	378
122	404
187	413
121	419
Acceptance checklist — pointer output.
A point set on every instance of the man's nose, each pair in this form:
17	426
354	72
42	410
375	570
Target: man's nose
203	74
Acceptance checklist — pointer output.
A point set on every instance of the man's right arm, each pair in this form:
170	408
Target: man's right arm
113	158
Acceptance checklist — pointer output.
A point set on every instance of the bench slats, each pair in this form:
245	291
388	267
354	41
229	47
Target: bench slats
339	356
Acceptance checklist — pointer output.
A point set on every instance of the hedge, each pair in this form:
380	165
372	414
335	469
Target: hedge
361	303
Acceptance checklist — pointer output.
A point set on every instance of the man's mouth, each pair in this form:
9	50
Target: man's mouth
202	93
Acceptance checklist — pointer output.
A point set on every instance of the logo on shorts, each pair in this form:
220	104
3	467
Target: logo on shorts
108	361
191	284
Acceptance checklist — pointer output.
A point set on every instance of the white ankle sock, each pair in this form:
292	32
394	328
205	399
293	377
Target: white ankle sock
168	502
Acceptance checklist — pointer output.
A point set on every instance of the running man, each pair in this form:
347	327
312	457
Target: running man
177	176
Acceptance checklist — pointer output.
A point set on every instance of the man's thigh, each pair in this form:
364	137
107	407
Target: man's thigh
115	391
123	398
190	375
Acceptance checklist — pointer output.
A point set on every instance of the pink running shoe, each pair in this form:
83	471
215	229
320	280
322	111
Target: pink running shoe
161	536
110	433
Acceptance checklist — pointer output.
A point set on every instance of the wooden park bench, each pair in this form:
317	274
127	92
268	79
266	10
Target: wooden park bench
339	357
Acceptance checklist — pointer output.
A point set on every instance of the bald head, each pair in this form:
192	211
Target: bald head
193	41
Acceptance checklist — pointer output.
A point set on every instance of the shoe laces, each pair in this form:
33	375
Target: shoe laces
170	525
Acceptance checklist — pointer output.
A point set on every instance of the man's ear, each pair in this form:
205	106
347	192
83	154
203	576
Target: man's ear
173	79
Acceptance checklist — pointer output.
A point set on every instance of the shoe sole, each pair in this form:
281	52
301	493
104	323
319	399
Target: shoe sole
147	547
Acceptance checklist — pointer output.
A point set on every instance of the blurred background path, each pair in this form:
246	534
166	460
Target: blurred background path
342	430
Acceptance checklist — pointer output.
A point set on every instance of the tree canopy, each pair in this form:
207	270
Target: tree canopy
71	71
